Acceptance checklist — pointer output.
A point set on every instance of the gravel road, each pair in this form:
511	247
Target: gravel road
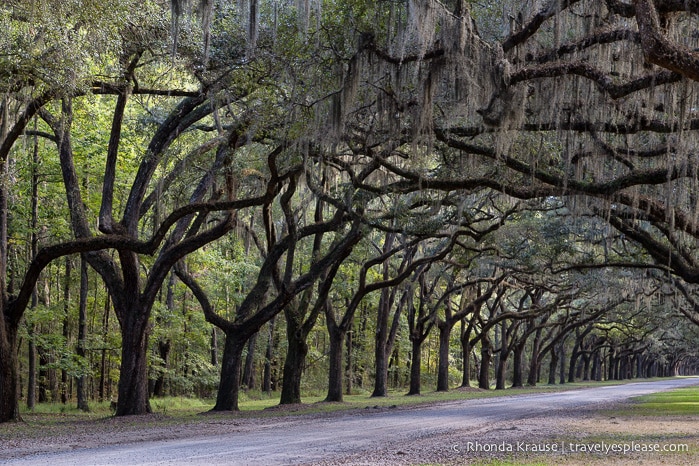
382	437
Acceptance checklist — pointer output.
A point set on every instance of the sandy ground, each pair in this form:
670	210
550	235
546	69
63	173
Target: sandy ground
519	439
586	429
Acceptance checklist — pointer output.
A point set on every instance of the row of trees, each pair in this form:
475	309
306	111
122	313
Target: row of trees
525	171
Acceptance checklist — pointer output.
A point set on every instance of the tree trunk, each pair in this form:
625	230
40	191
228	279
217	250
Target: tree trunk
335	369
231	365
9	375
443	357
293	365
133	378
573	364
415	366
486	357
381	350
517	372
381	368
81	388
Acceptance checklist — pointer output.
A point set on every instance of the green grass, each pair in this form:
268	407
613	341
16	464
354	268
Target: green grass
255	403
681	401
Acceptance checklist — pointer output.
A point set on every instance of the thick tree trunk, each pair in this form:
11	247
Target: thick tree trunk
517	372
553	363
133	378
9	375
443	357
293	366
381	367
573	364
415	366
335	369
231	364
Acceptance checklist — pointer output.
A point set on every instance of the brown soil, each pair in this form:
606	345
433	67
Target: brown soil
448	448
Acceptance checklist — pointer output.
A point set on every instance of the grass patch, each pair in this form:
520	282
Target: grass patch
252	402
682	401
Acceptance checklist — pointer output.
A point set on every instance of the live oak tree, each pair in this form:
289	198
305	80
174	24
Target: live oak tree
41	61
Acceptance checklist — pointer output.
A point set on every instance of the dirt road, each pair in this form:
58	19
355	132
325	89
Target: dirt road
391	436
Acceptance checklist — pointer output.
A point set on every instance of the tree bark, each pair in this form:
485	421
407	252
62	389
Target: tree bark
335	370
9	375
415	367
297	350
443	361
81	388
231	365
133	378
517	363
381	341
486	358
